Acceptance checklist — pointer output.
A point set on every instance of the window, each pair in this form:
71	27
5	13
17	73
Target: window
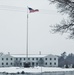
24	63
28	58
36	63
36	58
33	63
50	63
55	63
50	58
45	58
32	58
54	58
16	58
46	63
2	58
20	63
6	63
11	63
6	58
11	58
29	63
2	63
24	58
20	58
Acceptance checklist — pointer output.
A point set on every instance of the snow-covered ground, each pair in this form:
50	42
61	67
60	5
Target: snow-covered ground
33	70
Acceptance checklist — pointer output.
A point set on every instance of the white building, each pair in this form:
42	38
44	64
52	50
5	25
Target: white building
8	60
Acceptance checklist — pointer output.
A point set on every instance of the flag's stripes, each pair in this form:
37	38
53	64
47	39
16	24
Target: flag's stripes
32	10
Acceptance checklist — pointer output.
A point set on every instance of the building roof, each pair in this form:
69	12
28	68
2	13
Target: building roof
22	55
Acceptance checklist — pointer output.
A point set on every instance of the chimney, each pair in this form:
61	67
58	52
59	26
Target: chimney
8	53
1	53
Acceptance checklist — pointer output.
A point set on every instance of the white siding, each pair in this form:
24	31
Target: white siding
52	61
6	59
32	59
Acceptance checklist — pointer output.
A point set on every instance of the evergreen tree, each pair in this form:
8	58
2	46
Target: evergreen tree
73	66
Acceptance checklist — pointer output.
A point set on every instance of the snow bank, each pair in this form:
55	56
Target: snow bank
34	70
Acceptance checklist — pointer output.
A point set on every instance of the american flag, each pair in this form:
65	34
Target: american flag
32	10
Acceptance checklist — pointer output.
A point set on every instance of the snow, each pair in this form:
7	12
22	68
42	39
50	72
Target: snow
33	70
32	55
22	55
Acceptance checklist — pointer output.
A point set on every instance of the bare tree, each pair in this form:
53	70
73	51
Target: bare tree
66	7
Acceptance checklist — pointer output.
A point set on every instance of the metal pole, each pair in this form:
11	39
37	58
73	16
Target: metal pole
27	39
41	70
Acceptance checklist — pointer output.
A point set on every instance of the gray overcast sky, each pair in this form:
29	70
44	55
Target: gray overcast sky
13	20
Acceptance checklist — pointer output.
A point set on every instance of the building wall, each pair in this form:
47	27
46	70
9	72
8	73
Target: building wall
32	60
47	61
51	61
6	61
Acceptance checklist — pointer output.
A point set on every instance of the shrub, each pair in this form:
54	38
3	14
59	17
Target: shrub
66	66
22	72
73	66
18	72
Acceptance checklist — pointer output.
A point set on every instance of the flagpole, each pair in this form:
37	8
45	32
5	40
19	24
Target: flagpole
27	39
31	10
